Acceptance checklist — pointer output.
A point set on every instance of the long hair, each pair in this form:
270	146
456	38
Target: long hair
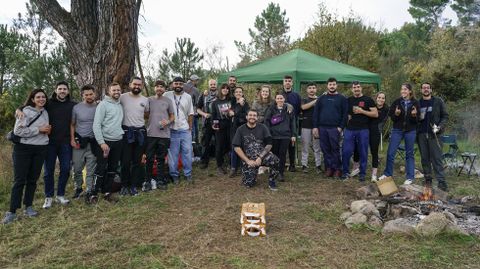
269	98
410	88
31	95
219	91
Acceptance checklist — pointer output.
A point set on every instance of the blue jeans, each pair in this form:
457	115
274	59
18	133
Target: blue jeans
360	139
180	143
395	139
64	154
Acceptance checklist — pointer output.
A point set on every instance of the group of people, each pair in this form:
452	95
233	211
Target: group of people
136	137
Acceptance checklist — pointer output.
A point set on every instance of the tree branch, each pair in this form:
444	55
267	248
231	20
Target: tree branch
57	16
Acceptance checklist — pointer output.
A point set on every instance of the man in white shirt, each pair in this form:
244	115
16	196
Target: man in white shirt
181	131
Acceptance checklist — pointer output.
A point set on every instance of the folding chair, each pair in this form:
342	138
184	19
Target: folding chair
450	160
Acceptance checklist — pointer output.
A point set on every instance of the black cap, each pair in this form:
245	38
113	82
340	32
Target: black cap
178	79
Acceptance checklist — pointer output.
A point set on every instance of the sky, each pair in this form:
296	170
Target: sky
220	22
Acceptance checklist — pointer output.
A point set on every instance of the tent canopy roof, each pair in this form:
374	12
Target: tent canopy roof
303	66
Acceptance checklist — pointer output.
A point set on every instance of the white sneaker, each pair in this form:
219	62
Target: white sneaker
408	181
382	177
355	172
48	203
62	200
374	178
153	183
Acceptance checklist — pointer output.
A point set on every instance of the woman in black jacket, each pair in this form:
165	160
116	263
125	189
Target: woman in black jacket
281	124
221	122
405	113
240	108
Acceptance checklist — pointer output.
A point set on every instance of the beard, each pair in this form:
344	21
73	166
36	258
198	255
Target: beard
136	91
178	89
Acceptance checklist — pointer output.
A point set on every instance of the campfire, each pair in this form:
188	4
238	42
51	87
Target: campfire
425	210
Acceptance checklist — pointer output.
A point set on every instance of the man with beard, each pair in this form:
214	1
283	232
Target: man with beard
360	110
204	109
135	108
307	122
180	132
158	132
294	99
232	84
329	119
107	127
253	143
83	140
433	118
59	110
191	88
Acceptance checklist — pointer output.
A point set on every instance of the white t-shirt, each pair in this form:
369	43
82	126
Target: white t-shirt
182	108
134	108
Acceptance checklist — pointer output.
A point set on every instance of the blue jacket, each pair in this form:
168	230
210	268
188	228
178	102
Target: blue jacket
294	99
331	110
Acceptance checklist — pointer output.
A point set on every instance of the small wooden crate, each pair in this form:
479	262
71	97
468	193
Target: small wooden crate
253	219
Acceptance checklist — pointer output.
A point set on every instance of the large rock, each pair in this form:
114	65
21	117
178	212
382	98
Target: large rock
369	191
400	211
365	207
375	221
356	219
398	226
345	215
433	224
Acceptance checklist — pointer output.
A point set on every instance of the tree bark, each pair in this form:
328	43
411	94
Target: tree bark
100	37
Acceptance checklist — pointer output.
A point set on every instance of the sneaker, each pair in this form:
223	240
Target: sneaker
133	191
319	169
355	172
189	179
281	178
176	180
374	178
93	199
153	183
272	185
30	212
345	176
221	171
233	172
62	200
382	177
48	203
78	193
304	169
124	191
110	197
337	174
329	172
9	218
408	181
146	186
291	168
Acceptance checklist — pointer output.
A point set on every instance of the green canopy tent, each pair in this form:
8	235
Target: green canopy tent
304	67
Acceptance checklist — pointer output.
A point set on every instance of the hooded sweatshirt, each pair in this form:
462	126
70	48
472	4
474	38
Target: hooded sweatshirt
107	124
31	135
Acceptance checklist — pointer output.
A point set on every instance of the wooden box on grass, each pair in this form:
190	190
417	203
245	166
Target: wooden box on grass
253	219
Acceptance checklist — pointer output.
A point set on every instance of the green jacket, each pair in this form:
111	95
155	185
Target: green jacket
107	124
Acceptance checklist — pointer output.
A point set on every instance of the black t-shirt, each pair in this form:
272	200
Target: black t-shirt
252	140
376	124
425	116
307	120
359	121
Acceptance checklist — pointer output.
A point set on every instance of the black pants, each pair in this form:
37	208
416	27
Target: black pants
279	148
430	147
157	149
222	145
107	167
374	143
207	136
27	165
132	174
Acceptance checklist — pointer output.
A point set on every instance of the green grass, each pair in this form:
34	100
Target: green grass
196	226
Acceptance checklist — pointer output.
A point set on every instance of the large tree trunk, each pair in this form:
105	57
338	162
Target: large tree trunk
100	36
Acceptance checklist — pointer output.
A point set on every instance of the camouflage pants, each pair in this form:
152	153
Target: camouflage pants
250	173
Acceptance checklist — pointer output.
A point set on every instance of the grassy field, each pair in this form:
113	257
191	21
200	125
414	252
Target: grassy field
196	226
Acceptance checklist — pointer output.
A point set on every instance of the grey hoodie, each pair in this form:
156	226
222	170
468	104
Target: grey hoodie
31	135
107	124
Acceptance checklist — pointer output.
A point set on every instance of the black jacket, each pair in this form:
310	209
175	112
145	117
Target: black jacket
60	115
439	114
285	129
405	121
